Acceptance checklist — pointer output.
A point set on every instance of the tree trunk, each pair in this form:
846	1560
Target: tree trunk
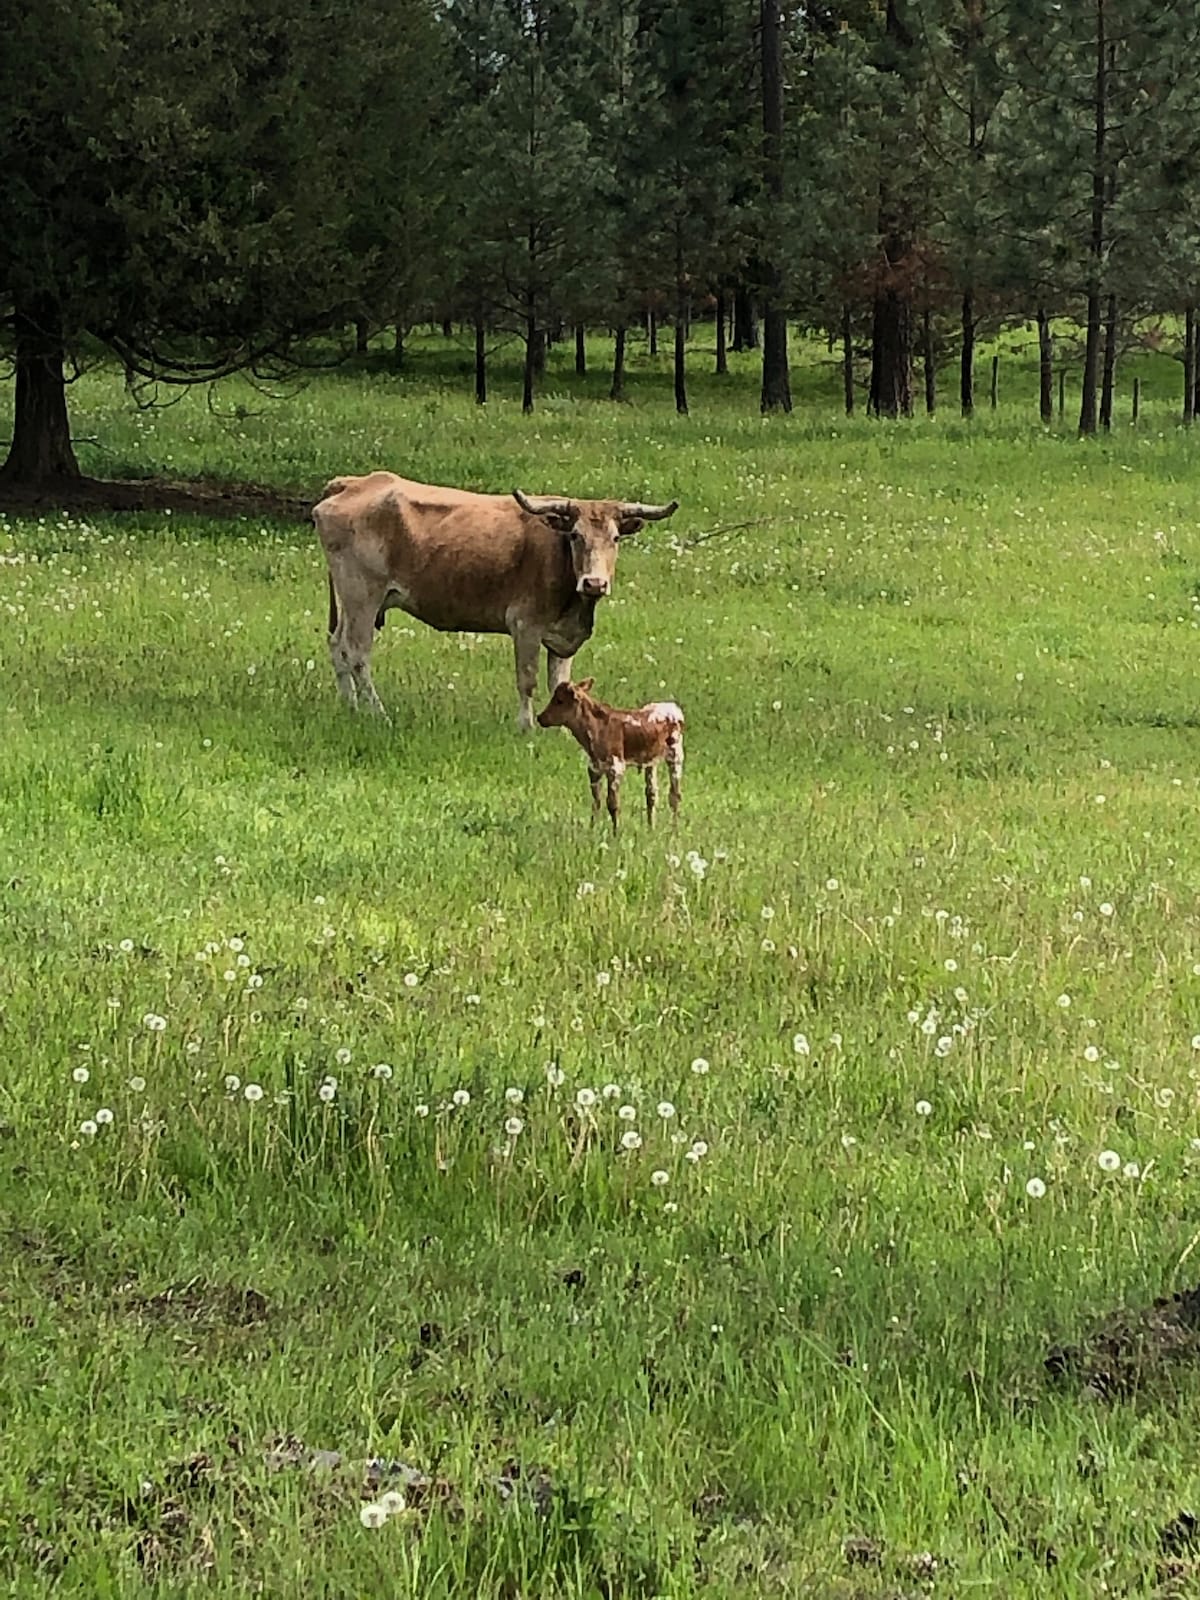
745	320
928	363
652	330
891	356
480	360
538	350
447	328
1111	330
681	405
776	384
617	391
848	360
398	348
41	450
1196	376
580	351
722	357
1189	366
533	339
1091	356
966	380
1045	366
362	335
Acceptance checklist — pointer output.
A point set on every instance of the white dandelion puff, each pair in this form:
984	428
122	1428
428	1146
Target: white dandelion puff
137	1084
514	1096
372	1515
1108	1161
631	1139
660	1178
585	1099
103	1117
326	1092
232	1083
88	1128
253	1092
665	1110
461	1097
924	1109
381	1069
81	1075
700	1066
513	1127
1035	1188
411	980
343	1056
627	1113
800	1044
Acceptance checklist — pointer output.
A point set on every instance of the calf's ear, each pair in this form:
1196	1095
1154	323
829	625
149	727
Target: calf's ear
585	684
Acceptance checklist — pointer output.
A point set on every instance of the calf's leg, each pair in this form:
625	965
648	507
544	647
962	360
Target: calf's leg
675	769
614	798
651	792
594	777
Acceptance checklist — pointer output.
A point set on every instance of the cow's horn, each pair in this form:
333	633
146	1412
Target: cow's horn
634	508
543	505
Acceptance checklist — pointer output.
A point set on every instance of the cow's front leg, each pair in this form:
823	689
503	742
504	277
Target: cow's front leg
525	645
558	670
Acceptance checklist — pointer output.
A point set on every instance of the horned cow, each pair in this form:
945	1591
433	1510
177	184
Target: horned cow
531	566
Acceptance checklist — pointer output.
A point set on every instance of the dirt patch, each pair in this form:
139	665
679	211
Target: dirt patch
192	497
1131	1349
196	1311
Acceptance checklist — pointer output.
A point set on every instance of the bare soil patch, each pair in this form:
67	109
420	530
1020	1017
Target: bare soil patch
191	497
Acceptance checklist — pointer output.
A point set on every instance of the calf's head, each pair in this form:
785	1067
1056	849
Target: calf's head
592	529
565	704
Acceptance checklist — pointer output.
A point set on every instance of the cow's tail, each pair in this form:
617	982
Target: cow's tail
333	614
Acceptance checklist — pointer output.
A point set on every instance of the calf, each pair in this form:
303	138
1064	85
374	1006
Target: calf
613	740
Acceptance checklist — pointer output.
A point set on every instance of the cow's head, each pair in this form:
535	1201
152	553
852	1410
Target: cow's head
565	704
591	529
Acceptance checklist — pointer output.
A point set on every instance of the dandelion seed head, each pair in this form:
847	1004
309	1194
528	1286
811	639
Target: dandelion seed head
700	1066
631	1139
513	1127
1064	1002
81	1075
381	1069
461	1097
627	1113
372	1516
1035	1188
411	980
1090	1053
253	1092
660	1178
800	1044
421	1110
393	1502
103	1117
126	945
1108	1161
88	1128
665	1110
326	1092
137	1084
514	1096
1131	1169
924	1109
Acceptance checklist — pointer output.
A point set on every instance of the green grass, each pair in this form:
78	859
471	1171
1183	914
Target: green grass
943	736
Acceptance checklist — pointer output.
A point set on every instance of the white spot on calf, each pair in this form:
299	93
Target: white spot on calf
616	767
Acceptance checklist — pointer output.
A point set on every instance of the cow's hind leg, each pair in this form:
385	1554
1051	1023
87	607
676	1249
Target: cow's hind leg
651	792
350	645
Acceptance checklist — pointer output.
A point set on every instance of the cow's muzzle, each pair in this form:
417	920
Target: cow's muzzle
593	588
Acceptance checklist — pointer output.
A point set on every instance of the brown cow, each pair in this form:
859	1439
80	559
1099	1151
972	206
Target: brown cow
531	567
614	740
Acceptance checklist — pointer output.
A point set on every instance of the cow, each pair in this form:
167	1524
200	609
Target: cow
614	740
531	566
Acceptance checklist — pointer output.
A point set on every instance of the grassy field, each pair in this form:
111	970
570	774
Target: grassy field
320	1038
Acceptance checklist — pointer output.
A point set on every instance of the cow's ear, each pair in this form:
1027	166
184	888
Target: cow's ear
628	526
563	521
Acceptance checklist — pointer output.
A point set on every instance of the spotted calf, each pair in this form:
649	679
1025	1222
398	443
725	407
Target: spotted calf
613	740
